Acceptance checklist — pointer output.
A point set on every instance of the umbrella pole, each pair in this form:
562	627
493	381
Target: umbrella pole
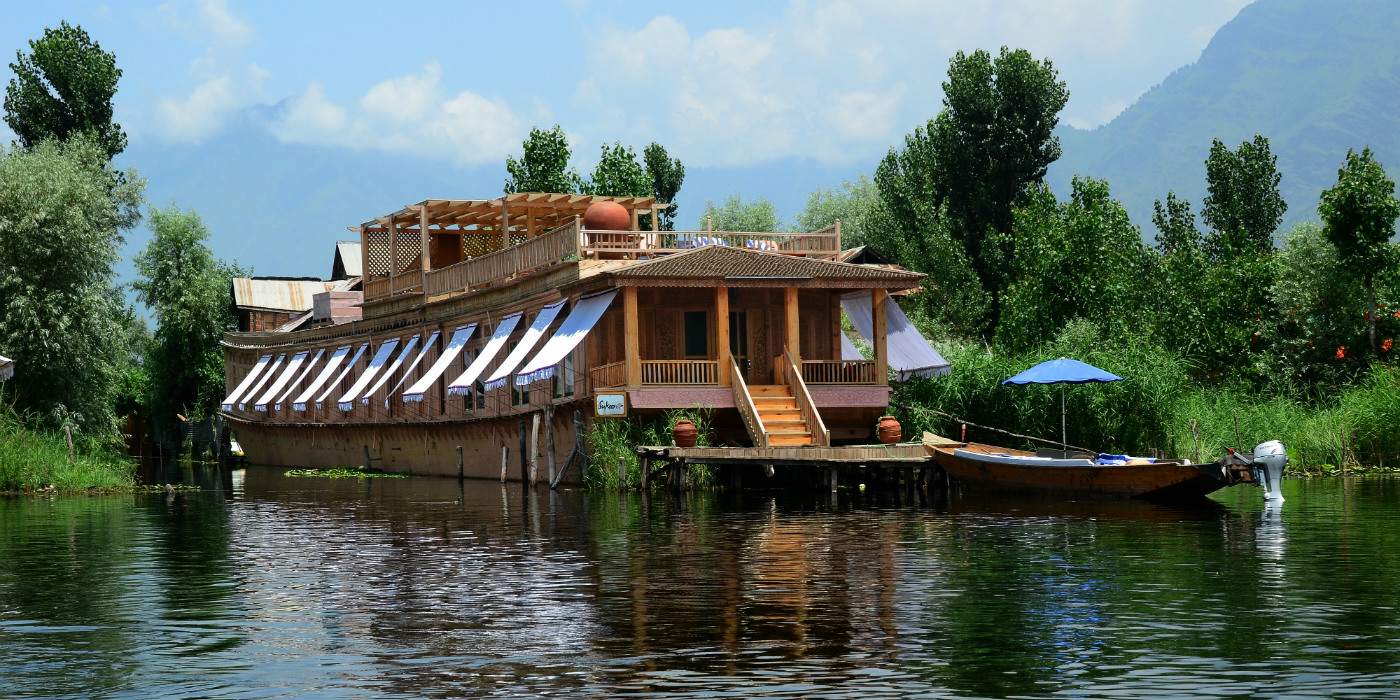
1064	441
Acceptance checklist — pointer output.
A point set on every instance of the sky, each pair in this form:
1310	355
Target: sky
736	89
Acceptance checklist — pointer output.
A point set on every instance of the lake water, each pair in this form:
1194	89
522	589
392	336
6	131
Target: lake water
261	585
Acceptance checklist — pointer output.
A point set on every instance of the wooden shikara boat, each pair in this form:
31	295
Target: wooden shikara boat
990	468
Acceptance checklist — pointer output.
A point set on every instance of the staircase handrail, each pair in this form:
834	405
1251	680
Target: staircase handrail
744	402
820	436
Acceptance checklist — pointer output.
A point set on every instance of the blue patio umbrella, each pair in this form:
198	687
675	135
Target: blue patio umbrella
1063	371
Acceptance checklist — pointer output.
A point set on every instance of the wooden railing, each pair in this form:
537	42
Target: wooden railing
824	243
744	403
820	436
838	371
376	287
543	250
407	281
610	375
682	372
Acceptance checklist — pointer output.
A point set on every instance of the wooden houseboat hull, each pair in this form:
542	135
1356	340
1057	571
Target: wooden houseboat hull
1158	481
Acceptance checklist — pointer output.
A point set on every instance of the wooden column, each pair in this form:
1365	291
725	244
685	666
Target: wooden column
793	339
531	228
635	220
423	254
655	217
364	257
722	334
630	343
393	254
835	304
505	226
877	313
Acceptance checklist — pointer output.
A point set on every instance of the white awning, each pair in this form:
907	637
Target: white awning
292	386
427	345
299	403
849	351
282	379
227	403
454	347
527	343
462	385
386	348
909	353
7	368
571	332
262	381
389	373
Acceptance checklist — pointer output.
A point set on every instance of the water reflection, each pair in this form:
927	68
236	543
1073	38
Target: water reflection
263	585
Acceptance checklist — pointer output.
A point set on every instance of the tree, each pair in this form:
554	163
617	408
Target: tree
1318	297
1359	214
618	174
543	165
1176	225
1243	206
64	87
850	202
666	175
752	216
62	210
977	160
187	289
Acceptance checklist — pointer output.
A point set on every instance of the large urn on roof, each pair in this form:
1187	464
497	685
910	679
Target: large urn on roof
607	216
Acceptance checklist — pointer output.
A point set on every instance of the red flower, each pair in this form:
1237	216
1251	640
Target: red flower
1397	314
1341	352
1386	345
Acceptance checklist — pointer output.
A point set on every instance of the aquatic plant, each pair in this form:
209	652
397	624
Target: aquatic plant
343	473
613	438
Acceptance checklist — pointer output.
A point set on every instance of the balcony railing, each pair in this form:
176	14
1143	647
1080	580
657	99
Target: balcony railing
822	243
838	371
680	372
607	376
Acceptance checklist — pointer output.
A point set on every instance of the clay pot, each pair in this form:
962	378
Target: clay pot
888	430
684	433
607	216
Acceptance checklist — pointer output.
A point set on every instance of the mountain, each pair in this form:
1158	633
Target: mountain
1315	77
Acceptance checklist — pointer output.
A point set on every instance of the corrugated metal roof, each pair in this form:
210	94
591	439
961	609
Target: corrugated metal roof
278	295
348	255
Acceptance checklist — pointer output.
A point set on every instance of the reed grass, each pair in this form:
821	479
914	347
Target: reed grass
32	460
609	439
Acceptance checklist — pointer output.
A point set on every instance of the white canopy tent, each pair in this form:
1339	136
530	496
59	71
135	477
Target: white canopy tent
527	343
7	368
305	372
262	381
386	348
571	332
462	385
231	399
282	379
414	394
408	371
909	352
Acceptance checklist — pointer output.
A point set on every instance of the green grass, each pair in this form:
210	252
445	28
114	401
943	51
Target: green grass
33	460
344	473
611	438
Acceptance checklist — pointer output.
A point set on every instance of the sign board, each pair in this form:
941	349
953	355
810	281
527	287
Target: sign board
610	405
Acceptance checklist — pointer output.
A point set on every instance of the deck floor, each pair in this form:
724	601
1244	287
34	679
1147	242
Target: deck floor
908	453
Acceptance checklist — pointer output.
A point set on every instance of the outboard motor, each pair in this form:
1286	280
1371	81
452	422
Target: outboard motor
1270	459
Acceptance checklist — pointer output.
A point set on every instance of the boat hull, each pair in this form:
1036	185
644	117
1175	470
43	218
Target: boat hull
427	448
1159	481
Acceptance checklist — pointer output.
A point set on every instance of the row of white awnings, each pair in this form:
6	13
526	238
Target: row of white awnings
260	389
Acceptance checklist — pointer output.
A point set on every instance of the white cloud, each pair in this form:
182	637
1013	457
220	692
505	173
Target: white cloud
224	83
194	118
407	115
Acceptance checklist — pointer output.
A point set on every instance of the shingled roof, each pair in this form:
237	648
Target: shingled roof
724	263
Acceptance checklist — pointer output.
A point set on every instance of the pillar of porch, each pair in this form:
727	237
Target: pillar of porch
792	341
423	255
393	254
878	297
722	335
631	347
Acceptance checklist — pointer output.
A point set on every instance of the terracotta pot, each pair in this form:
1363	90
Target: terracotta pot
684	433
888	430
607	216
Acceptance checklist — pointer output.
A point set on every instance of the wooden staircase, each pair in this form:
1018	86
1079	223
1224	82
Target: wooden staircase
779	415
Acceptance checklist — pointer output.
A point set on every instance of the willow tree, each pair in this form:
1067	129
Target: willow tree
1359	214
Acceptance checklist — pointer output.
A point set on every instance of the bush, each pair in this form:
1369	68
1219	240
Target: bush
33	460
612	438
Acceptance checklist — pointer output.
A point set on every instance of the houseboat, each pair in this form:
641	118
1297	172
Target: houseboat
480	316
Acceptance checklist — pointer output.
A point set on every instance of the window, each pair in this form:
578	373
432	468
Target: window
697	336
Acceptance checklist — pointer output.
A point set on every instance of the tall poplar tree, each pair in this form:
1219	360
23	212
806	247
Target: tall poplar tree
1359	214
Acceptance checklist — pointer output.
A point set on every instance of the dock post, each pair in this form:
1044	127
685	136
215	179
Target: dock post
578	440
683	471
459	463
535	448
622	473
831	477
505	453
524	459
368	463
646	473
549	439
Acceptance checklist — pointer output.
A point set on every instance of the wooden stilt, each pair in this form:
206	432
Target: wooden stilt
549	439
646	474
535	448
524	458
460	474
622	473
505	455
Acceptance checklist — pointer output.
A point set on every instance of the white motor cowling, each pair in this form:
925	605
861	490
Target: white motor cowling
1273	458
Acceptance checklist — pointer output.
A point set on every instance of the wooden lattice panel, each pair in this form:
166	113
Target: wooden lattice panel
378	249
476	244
409	248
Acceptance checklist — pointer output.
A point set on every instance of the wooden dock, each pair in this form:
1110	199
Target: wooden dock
815	465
